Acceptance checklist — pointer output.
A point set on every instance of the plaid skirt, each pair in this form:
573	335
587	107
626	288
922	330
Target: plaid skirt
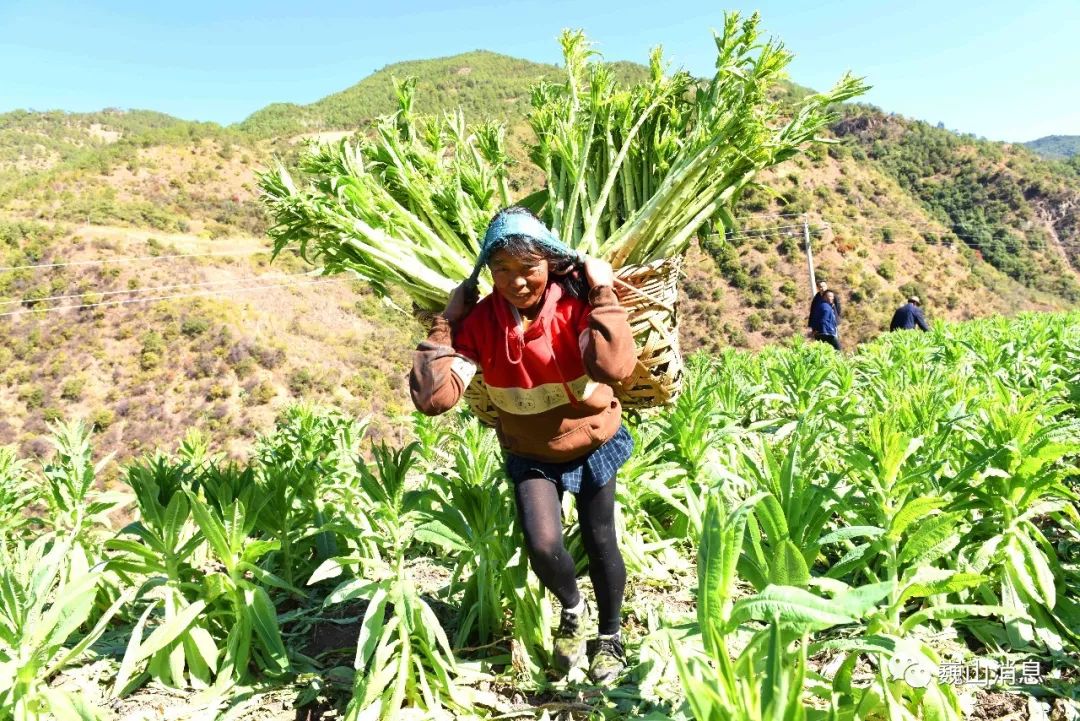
594	469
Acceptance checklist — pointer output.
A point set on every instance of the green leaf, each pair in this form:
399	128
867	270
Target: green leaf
135	548
1036	564
67	707
213	529
718	554
269	579
438	534
264	621
1049	453
131	653
254	550
932	539
204	645
70	610
354	588
857	602
188	654
788	568
848	532
176	514
93	635
854	559
866	644
914	510
330	568
770	515
237	651
169	631
956	611
934	581
370	628
790	605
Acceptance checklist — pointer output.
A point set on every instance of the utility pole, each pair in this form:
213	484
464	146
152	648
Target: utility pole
809	254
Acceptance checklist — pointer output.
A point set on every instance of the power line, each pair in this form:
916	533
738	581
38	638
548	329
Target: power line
205	294
957	241
134	259
768	229
267	276
927	227
790	234
769	215
855	226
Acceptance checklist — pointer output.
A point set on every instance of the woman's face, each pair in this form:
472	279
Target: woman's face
521	279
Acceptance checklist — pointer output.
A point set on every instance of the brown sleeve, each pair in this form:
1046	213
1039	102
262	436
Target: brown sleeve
434	387
609	352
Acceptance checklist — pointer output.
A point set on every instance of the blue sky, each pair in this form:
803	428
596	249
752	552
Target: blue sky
1006	70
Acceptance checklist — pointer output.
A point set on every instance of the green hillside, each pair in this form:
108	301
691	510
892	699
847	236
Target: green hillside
1057	147
481	83
1015	209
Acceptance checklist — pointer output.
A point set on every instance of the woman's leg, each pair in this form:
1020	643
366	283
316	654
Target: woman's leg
541	519
596	515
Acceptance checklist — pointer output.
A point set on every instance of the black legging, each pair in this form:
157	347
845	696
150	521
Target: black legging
830	339
540	511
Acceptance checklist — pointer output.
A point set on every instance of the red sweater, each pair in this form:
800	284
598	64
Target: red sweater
549	382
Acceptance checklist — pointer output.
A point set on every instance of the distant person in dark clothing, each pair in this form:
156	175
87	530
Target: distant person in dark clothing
824	320
819	297
909	316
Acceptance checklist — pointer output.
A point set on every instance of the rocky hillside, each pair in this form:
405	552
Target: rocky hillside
220	338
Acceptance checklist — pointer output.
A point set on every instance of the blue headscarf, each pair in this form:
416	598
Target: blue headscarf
507	224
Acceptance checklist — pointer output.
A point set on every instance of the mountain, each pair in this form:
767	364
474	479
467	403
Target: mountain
1056	146
481	83
203	331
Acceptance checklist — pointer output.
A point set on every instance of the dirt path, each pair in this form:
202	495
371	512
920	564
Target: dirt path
182	242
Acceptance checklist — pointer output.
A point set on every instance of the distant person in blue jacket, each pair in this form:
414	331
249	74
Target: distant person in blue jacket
819	298
824	320
909	316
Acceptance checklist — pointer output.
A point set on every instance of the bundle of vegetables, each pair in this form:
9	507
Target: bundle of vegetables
633	173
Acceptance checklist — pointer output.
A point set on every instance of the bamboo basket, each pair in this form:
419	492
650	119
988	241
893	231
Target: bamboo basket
650	294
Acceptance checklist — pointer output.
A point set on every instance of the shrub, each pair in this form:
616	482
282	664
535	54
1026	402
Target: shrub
244	368
153	347
32	396
268	358
760	292
102	419
789	247
72	389
149	361
194	326
217	391
261	394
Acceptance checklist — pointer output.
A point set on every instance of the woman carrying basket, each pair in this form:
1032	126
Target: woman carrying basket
549	344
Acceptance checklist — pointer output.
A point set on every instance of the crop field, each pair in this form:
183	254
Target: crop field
887	535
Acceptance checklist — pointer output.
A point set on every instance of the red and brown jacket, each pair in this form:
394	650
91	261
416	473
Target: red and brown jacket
550	382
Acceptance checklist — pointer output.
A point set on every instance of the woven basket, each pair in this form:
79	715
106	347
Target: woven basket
650	294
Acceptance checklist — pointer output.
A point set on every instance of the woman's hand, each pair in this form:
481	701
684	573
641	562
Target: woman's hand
461	302
598	272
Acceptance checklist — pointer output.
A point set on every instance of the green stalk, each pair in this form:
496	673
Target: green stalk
593	220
